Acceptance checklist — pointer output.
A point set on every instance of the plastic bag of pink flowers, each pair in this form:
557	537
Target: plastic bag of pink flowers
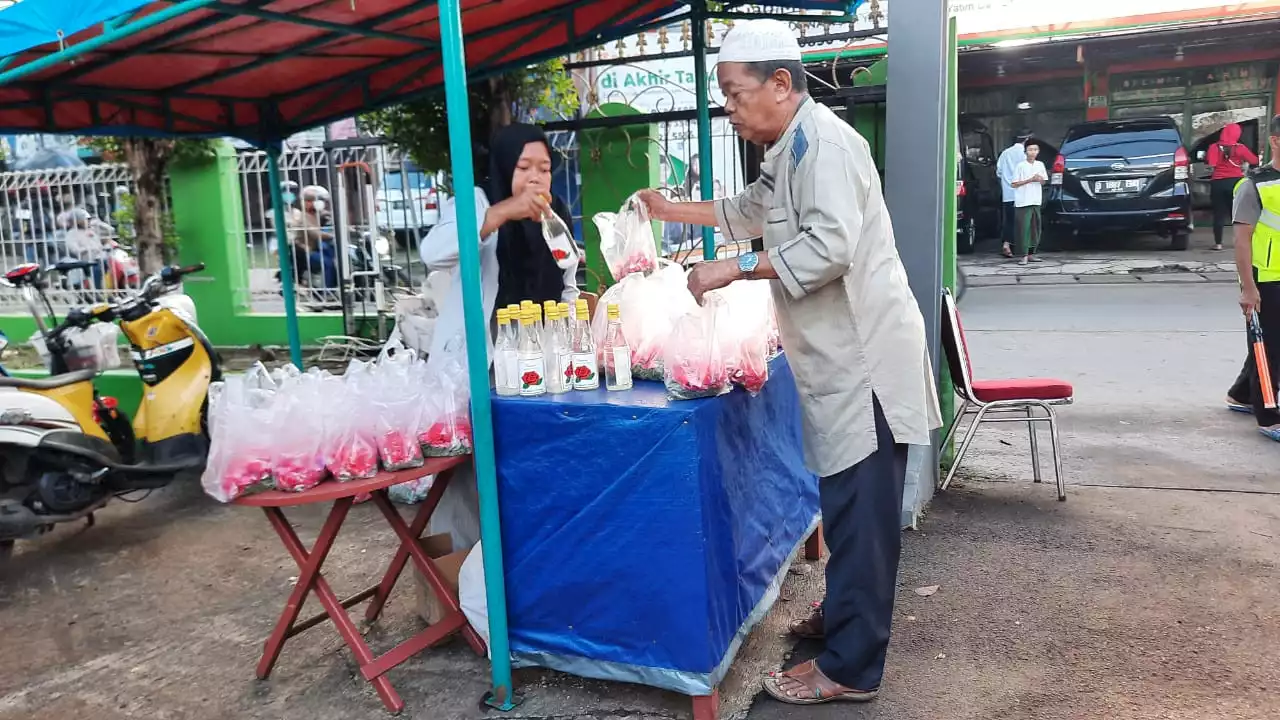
444	426
239	450
297	460
694	364
626	239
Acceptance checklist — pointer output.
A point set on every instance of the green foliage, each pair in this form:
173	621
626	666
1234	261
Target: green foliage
126	227
420	128
185	150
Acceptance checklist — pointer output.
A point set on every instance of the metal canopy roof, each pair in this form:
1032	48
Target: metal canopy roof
260	69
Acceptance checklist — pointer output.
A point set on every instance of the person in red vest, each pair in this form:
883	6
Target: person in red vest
1227	157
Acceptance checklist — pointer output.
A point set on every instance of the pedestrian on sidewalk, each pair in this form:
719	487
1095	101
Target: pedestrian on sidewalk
1257	235
843	304
1228	158
1006	168
1028	186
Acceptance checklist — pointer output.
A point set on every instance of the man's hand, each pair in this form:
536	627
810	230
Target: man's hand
712	275
659	207
1250	299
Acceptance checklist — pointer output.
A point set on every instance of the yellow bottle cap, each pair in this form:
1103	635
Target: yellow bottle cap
563	309
513	311
526	318
612	309
581	307
503	316
551	312
537	312
549	304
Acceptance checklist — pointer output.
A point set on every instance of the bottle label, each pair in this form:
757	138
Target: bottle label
532	375
510	373
585	375
622	366
564	367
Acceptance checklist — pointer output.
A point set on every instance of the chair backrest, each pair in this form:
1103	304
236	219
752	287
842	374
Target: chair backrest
956	347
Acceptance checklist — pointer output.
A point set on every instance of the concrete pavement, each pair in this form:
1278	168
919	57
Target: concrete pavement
1150	592
1121	603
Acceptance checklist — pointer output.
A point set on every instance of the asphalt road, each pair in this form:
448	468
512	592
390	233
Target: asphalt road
1122	602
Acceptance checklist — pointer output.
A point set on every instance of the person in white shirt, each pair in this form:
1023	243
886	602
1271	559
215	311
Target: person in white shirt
1006	166
1028	187
854	336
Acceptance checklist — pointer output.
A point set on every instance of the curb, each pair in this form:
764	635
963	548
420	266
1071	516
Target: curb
1099	279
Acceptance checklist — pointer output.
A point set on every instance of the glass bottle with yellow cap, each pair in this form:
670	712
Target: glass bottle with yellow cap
586	374
505	365
616	352
531	364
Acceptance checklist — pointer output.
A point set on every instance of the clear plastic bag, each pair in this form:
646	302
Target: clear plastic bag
694	364
350	450
444	428
746	323
413	491
626	239
240	446
297	460
396	436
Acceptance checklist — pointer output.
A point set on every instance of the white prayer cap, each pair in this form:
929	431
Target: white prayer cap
759	41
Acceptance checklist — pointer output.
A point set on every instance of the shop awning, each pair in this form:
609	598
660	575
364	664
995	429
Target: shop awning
262	70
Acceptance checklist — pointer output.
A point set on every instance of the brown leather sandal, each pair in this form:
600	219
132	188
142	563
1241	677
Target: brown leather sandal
806	685
812	627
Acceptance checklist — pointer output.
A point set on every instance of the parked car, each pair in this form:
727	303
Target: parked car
408	205
1124	176
981	199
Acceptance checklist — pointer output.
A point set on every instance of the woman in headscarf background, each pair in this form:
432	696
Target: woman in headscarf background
513	189
1227	157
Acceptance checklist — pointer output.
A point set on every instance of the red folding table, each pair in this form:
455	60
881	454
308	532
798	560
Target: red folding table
310	579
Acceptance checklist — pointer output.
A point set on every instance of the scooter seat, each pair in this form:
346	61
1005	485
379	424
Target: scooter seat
49	383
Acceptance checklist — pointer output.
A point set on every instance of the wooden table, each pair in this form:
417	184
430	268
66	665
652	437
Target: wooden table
311	579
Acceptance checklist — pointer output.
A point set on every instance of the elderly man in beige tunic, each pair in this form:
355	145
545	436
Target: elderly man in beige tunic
852	331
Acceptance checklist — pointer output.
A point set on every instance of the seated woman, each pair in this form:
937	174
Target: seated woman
515	264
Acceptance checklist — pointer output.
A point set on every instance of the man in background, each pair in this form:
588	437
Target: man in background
1028	194
1257	232
1006	166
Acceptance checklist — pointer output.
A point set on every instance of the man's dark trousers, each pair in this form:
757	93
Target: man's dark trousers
1008	224
1269	319
862	524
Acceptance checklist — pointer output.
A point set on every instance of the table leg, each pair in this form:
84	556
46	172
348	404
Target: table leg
813	545
427	567
308	563
310	579
425	511
707	707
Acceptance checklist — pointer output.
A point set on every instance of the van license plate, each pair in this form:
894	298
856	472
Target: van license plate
1117	186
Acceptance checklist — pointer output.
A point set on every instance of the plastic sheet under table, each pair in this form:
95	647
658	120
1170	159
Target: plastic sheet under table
643	537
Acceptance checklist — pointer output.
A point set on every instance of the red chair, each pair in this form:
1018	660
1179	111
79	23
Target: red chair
1007	400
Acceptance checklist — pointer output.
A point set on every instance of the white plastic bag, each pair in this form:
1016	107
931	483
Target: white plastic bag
694	364
444	426
471	594
626	239
240	441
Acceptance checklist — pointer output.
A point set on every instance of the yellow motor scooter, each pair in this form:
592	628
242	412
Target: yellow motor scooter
65	451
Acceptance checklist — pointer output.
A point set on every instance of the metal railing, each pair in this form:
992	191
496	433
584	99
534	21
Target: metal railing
378	208
64	214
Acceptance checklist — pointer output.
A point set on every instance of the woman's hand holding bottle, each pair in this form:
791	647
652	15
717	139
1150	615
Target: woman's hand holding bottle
528	205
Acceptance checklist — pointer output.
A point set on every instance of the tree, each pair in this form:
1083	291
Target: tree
418	127
148	160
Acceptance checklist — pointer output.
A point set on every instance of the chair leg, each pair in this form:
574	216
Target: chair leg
1057	454
955	423
1035	445
964	446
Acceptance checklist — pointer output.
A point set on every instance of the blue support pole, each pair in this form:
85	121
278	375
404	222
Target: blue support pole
285	253
459	119
701	87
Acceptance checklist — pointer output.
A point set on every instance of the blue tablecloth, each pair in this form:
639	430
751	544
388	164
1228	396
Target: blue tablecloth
643	537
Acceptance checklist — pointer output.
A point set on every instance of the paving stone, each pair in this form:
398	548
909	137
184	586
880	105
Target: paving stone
1047	280
991	280
1171	278
1109	279
1220	277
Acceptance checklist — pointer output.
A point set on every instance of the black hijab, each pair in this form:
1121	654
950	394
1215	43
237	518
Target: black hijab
526	269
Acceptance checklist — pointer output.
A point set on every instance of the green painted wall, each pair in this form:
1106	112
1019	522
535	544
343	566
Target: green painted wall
613	164
947	396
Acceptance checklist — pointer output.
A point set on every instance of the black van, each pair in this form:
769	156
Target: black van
1121	176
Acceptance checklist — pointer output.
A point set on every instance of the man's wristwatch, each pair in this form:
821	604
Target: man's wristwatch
747	264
